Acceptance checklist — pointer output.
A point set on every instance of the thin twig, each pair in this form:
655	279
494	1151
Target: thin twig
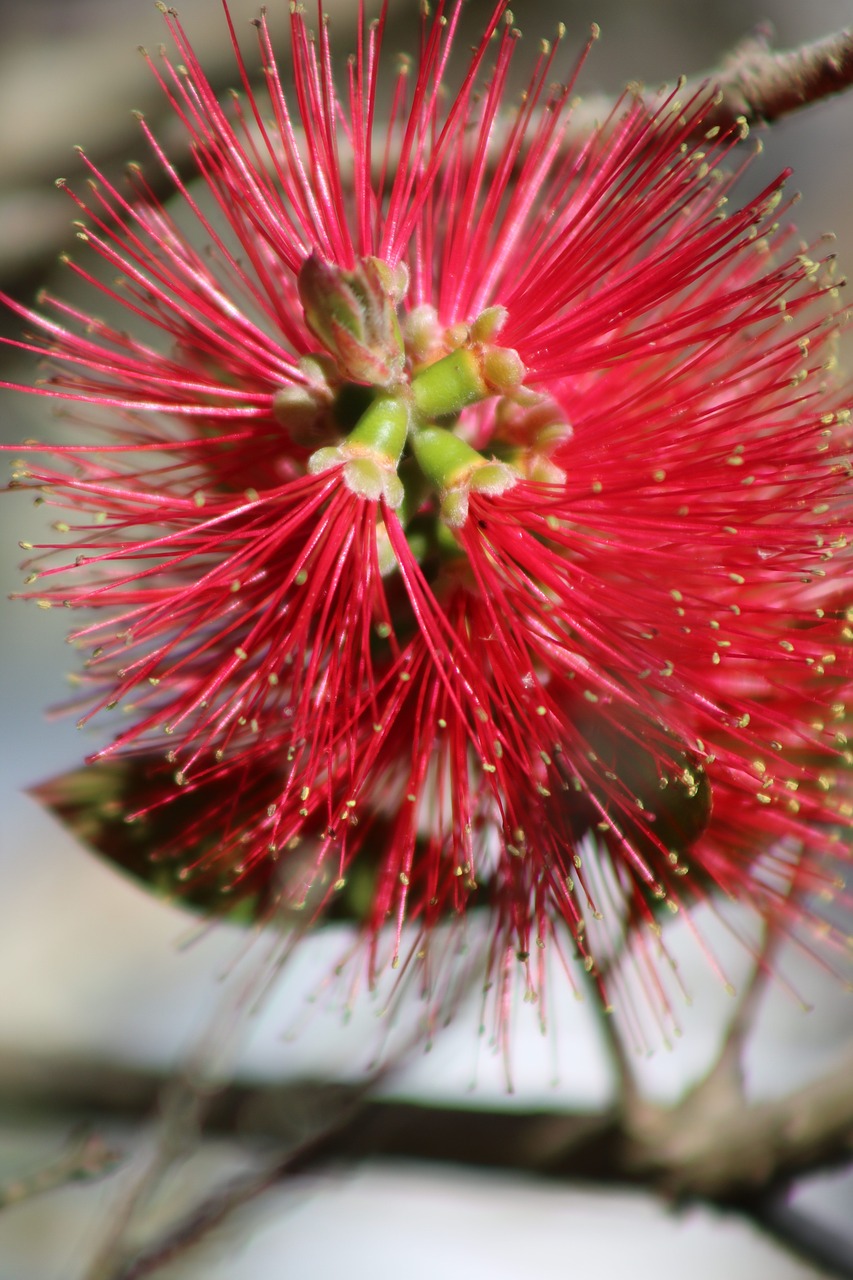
756	85
815	1242
86	1157
214	1209
313	1152
760	84
727	1072
183	1104
197	1225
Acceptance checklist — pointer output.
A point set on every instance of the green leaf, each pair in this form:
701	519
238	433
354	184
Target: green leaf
130	811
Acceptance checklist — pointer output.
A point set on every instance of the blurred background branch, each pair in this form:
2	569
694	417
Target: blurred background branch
712	1145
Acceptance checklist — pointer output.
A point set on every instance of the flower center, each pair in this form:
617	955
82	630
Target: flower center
401	402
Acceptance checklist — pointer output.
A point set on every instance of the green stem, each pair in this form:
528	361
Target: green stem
383	427
442	456
443	389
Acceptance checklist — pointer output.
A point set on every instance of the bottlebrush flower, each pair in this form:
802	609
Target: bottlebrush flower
472	526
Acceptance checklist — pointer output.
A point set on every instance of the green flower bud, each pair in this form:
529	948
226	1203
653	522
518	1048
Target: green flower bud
354	315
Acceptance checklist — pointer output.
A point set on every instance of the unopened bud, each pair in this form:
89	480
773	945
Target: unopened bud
423	335
488	324
304	409
353	313
534	426
503	369
303	417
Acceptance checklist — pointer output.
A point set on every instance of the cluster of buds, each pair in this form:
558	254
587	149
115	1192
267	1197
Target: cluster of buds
418	395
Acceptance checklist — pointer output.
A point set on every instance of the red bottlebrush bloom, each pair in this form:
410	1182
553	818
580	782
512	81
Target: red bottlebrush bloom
473	525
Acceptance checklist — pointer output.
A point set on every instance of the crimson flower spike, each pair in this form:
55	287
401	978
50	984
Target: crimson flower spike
472	528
